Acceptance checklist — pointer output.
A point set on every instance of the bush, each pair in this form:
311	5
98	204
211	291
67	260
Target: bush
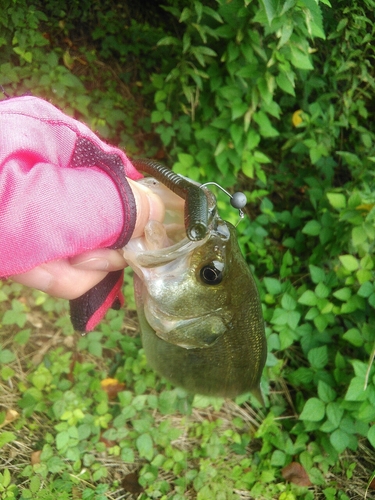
274	98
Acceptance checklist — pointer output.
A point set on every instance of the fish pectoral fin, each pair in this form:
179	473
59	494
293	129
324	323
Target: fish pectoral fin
195	333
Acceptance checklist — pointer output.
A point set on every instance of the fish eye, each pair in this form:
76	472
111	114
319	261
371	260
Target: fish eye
212	273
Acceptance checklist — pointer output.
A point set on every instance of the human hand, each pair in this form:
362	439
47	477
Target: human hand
71	278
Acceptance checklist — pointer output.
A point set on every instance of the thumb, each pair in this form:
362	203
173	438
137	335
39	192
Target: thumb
149	207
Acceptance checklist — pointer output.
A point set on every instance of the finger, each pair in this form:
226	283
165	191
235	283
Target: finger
149	207
60	279
99	260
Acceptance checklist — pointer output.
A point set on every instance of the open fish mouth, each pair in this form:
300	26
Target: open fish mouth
159	257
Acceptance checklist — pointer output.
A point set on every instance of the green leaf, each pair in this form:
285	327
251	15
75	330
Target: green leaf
334	413
286	83
6	437
34	484
313	411
265	127
337	200
23	336
312	228
366	289
349	262
356	390
145	446
322	291
6	356
317	274
185	14
299	58
168	40
308	298
343	294
127	455
359	235
318	357
62	439
371	435
339	440
288	303
271	9
354	337
273	285
325	392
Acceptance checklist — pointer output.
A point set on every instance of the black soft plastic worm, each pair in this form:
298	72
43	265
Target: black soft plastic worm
196	205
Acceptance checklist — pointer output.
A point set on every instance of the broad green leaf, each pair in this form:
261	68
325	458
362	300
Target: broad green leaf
271	8
62	439
14	317
359	235
317	274
34	484
366	289
6	356
273	285
343	294
318	357
312	228
337	200
313	411
321	322
349	262
6	437
265	126
286	83
356	390
322	291
339	440
261	157
288	303
353	335
308	298
127	455
325	392
299	58
145	446
334	413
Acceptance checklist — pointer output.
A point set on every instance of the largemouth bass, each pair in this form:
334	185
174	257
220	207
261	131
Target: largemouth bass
198	306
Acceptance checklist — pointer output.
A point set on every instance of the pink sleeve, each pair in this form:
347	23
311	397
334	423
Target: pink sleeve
62	190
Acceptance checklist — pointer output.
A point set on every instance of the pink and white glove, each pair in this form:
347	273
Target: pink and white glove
63	191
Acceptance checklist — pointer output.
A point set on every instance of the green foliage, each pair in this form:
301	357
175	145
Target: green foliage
271	97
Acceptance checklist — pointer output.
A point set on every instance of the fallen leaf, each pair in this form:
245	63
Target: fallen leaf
112	387
296	474
130	483
35	457
108	442
10	416
77	357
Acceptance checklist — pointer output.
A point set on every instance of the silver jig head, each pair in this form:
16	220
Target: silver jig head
237	200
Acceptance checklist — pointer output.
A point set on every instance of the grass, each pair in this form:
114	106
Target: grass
149	440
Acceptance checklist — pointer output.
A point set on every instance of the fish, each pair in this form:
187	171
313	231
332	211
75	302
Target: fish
198	306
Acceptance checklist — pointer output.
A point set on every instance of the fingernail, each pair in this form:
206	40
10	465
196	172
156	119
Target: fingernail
93	264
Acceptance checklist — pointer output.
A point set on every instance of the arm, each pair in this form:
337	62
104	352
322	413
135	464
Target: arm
63	193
